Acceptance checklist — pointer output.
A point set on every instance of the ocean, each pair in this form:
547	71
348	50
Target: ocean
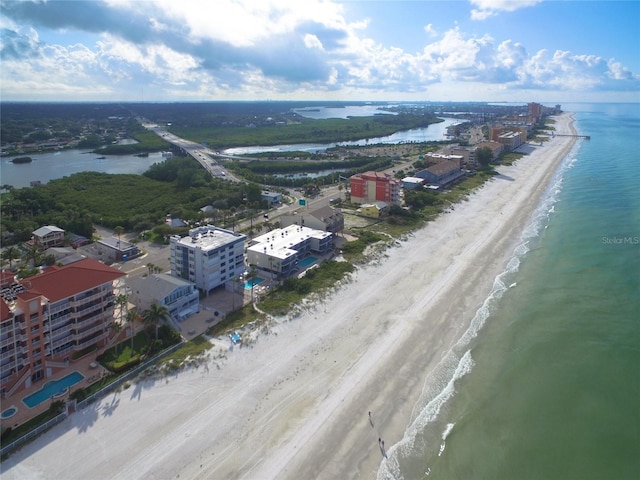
546	384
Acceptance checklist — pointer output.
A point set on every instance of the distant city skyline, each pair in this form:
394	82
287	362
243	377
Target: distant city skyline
368	50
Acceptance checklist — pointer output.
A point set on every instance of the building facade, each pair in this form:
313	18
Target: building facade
372	187
47	317
208	257
441	174
48	236
180	296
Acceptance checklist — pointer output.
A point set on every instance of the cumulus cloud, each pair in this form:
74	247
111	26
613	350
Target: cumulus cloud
489	8
430	30
288	48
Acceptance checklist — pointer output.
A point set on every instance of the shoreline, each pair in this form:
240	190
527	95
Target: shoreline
294	405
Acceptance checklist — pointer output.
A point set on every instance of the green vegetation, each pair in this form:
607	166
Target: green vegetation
190	351
509	158
147	142
178	186
144	344
22	160
315	131
293	289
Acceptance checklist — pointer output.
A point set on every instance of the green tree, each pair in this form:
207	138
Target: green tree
32	253
131	318
155	315
122	301
11	253
116	327
119	230
484	155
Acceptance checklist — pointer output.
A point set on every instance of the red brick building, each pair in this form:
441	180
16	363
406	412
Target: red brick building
372	187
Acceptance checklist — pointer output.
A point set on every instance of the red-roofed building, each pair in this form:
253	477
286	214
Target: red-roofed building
373	187
48	317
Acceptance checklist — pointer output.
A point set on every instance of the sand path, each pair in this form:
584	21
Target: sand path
294	403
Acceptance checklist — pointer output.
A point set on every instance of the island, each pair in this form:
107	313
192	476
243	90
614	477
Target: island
22	160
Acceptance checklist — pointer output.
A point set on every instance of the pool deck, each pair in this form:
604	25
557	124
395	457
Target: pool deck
25	413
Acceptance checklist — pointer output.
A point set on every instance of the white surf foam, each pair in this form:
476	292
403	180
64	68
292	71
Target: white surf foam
438	387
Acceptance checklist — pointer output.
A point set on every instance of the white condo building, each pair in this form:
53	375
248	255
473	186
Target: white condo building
209	256
279	250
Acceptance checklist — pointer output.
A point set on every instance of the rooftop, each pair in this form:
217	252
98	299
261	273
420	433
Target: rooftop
209	237
58	283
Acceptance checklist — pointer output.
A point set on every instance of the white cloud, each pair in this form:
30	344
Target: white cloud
488	8
430	30
280	49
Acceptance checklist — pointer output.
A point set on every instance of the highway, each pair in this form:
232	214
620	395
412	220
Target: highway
206	157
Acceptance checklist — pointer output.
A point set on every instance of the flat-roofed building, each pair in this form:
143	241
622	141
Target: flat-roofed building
280	250
113	249
411	183
209	257
47	317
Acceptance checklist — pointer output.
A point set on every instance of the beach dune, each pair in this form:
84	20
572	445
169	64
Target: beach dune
294	404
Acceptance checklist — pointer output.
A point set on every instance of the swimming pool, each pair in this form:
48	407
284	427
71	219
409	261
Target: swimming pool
305	262
9	412
52	388
256	281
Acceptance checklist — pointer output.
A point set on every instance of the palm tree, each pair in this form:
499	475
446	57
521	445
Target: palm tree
155	315
119	231
122	301
11	253
253	273
117	328
32	252
131	317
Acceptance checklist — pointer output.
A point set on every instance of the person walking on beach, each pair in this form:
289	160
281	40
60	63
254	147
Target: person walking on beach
370	419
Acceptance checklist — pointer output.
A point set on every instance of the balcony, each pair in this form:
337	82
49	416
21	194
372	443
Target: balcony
87	331
90	341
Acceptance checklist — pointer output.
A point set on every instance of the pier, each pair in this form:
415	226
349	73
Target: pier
586	137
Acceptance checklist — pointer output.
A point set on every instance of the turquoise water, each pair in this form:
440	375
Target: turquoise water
256	281
8	413
52	388
550	387
305	262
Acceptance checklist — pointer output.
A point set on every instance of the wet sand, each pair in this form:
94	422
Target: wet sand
294	403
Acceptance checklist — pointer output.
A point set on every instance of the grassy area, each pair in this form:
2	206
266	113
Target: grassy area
293	290
147	142
191	350
510	158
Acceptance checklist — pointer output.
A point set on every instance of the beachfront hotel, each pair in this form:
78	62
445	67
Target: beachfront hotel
47	318
208	257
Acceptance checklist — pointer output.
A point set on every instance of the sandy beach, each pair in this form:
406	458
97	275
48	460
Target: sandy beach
294	402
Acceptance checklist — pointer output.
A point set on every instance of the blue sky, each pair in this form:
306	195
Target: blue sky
201	50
